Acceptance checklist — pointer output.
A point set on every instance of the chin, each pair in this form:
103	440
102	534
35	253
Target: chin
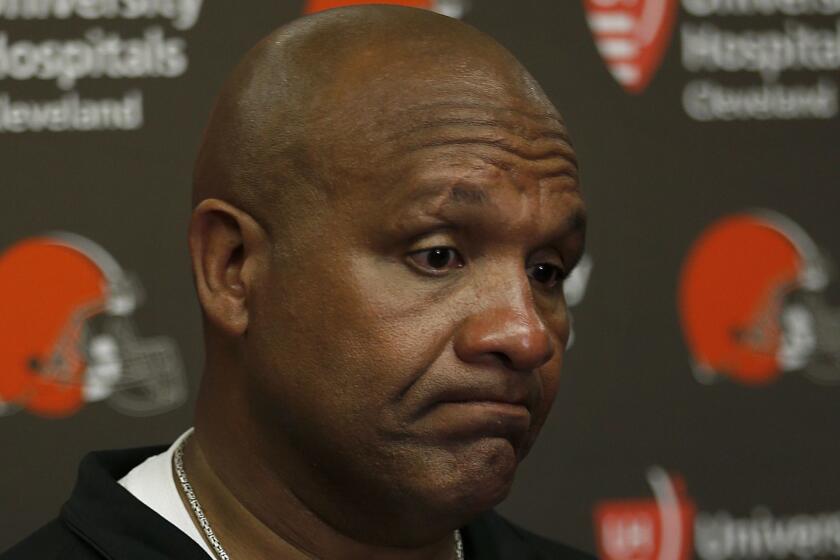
480	478
443	487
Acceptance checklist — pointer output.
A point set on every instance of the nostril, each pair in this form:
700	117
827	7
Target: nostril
504	359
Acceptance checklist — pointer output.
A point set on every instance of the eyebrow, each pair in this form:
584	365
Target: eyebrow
465	193
459	192
449	196
577	220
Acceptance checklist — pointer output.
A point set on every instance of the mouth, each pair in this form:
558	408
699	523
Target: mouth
502	395
460	422
470	412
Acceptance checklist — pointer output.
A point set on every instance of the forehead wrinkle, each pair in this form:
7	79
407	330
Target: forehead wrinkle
505	134
550	170
552	164
529	130
437	106
439	196
458	212
528	141
527	151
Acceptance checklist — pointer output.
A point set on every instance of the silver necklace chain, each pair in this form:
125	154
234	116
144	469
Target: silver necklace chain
181	473
459	546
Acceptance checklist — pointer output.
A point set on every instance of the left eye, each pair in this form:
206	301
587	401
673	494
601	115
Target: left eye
546	274
437	259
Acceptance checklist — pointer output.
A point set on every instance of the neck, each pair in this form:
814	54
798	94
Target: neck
255	514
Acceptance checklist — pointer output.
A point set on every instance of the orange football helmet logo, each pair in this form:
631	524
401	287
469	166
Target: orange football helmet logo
66	335
751	302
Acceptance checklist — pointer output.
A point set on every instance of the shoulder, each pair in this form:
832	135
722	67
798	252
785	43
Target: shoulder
53	541
491	536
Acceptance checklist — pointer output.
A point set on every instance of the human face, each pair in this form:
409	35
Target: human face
407	345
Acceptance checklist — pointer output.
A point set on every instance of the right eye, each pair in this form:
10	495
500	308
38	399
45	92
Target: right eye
437	259
547	274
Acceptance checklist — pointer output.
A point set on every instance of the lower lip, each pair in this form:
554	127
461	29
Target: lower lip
491	418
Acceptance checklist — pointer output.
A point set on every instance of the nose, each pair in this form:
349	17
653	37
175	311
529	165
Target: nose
507	328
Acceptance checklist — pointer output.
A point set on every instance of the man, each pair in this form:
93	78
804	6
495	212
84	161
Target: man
386	205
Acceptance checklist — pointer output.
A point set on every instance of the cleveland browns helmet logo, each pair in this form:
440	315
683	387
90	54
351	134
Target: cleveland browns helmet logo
67	338
632	37
752	305
451	8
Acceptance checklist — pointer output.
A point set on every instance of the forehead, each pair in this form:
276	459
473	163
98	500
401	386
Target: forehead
467	166
474	149
391	131
505	130
510	138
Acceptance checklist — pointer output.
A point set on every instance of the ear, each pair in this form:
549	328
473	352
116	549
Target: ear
229	251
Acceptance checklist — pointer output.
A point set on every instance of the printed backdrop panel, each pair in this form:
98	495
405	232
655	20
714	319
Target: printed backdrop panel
697	413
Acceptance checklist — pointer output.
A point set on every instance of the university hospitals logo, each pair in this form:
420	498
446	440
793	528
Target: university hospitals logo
740	60
669	526
647	529
632	37
451	8
67	337
752	303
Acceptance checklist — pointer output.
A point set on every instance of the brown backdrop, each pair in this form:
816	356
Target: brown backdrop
660	445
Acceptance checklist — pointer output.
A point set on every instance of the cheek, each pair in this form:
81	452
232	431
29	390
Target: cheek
556	320
559	326
555	313
351	333
390	332
550	377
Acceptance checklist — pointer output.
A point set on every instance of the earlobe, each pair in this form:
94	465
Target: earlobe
226	246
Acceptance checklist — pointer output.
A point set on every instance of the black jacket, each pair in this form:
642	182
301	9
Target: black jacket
103	520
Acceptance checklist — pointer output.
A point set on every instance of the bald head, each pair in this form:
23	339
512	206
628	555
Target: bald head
314	100
386	204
